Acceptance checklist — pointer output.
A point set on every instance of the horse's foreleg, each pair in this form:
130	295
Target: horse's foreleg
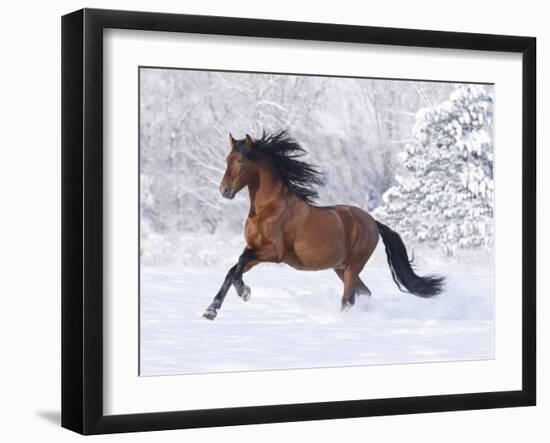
234	276
248	259
216	304
243	290
246	262
267	252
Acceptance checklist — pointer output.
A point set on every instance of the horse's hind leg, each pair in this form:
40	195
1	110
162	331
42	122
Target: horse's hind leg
360	287
350	276
340	273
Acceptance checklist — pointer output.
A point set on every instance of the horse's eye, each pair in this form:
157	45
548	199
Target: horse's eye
240	161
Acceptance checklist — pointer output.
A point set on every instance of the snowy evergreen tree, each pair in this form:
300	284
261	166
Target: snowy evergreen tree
445	197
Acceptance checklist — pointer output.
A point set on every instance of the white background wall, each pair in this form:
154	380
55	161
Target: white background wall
30	218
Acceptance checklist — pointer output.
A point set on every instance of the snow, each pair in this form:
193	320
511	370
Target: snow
293	319
418	155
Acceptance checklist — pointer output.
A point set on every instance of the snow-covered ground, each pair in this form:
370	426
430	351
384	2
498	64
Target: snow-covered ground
293	319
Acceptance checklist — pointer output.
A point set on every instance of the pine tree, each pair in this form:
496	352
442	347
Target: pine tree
445	197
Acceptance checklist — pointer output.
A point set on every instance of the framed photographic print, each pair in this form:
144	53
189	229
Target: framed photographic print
270	221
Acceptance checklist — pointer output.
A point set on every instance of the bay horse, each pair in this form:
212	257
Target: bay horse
285	226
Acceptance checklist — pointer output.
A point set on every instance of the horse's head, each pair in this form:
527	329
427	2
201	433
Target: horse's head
240	168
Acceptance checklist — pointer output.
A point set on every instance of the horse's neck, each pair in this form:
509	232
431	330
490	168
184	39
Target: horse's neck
266	190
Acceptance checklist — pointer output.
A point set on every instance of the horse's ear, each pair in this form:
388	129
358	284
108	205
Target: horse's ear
232	141
248	140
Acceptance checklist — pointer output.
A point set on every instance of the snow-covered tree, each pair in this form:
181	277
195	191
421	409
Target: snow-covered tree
445	196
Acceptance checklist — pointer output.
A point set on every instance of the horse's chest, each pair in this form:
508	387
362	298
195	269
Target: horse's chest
252	233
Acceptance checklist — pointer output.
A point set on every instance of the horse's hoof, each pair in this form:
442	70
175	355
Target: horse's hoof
345	307
210	314
246	293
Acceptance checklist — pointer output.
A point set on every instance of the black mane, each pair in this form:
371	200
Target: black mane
284	153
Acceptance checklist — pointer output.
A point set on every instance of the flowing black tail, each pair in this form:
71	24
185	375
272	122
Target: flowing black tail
401	269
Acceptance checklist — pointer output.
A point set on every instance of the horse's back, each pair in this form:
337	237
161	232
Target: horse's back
352	215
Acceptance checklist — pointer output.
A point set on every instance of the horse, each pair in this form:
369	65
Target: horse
285	226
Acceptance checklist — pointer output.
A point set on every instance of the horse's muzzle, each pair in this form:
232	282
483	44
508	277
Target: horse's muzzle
227	192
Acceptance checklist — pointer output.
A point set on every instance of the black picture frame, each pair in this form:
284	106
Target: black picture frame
82	218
